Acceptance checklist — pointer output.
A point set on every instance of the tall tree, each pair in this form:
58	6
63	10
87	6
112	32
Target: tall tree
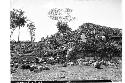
32	28
17	19
62	16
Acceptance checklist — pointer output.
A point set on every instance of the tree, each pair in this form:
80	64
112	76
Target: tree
104	42
63	17
32	28
63	27
17	19
61	14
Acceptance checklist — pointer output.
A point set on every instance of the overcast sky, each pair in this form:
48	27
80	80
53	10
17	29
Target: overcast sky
102	12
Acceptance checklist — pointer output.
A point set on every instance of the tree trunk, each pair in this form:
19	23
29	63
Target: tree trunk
12	33
31	38
19	34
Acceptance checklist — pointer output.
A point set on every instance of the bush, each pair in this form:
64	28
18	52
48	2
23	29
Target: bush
25	66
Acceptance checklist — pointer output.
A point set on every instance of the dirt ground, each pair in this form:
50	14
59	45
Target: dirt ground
58	73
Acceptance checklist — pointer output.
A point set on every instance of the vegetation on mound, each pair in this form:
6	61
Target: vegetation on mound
89	40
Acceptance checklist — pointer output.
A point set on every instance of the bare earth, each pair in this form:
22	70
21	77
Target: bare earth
70	73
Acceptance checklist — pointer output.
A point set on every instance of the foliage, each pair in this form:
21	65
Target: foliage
32	28
61	15
105	40
63	27
17	19
89	40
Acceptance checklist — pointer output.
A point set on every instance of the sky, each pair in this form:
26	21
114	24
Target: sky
102	12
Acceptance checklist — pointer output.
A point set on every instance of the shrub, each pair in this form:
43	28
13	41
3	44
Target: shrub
25	66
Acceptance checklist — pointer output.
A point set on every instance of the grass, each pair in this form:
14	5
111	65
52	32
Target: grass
70	73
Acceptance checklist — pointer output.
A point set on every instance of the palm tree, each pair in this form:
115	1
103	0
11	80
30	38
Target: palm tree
17	19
